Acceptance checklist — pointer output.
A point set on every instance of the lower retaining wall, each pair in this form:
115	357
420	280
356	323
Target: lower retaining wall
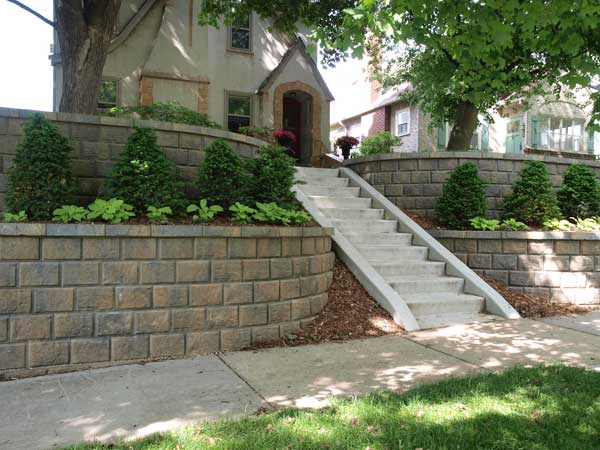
77	296
556	266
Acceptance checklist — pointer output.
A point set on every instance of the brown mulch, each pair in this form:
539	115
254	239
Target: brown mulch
350	313
427	223
533	307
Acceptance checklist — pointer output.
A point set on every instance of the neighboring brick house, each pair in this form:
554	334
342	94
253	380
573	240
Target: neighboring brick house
238	75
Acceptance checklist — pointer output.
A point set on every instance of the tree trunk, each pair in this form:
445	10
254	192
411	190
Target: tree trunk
85	30
465	123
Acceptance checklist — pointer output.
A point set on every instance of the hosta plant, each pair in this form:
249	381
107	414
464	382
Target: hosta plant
242	213
483	224
160	215
513	225
298	217
69	213
21	216
202	212
113	210
271	213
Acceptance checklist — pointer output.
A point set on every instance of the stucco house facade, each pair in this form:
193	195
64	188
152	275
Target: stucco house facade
239	75
542	124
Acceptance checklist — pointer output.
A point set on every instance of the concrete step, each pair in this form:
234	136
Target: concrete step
373	226
443	304
322	181
408	267
329	191
353	213
412	284
324	201
392	252
317	172
366	239
448	320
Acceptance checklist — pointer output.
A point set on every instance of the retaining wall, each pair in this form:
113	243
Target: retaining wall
76	296
414	181
556	266
98	141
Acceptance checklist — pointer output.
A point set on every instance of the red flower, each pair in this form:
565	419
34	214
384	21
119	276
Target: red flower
346	142
284	136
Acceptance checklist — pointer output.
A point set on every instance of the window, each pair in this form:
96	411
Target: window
240	34
402	123
107	97
239	111
558	133
474	144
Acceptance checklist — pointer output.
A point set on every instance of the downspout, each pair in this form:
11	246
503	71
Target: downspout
418	115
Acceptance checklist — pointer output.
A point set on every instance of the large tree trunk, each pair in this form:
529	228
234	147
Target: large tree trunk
465	123
85	30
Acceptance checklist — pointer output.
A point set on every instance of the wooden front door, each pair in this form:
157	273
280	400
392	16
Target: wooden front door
292	121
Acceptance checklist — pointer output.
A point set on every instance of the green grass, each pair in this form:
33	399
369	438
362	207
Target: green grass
544	408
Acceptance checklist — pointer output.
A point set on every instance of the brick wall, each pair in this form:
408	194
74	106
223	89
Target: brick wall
414	181
556	266
76	296
98	141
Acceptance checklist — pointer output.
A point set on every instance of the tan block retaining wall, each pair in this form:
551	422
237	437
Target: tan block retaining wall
75	296
556	266
414	181
98	141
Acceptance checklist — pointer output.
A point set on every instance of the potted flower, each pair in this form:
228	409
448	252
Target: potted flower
284	138
345	143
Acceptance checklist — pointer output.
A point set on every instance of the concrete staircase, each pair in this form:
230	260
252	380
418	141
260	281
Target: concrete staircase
434	298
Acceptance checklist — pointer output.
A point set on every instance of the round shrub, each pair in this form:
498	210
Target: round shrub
272	177
579	195
463	197
379	143
532	199
143	176
40	179
221	177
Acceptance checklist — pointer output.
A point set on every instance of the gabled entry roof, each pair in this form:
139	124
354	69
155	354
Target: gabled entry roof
287	57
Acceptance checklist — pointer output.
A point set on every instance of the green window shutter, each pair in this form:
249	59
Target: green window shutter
534	131
485	132
590	146
442	136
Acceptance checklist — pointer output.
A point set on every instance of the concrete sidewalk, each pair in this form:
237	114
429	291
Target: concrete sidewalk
133	401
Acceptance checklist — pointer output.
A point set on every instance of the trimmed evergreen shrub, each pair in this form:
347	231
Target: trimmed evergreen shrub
272	177
143	176
40	179
166	112
532	199
221	177
579	195
463	197
379	143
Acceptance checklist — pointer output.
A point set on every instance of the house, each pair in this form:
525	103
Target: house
238	75
540	125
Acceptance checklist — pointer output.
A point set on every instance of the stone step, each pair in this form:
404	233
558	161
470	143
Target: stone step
408	267
373	226
353	213
443	304
448	320
329	191
413	284
366	239
323	201
317	172
322	181
392	252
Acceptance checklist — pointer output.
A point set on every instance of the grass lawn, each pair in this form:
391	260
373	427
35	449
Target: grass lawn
544	408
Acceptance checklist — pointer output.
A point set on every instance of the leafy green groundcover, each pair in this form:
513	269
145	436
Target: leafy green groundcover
544	408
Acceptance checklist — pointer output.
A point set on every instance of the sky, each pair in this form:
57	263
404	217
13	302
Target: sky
26	73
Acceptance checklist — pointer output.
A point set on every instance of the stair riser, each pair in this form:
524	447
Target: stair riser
329	191
421	286
468	307
350	214
399	270
324	181
394	239
374	227
399	253
316	172
333	202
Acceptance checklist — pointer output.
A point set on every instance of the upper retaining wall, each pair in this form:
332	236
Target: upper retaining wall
98	141
77	296
414	181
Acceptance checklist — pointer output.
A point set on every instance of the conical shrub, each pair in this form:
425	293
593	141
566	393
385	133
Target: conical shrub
579	195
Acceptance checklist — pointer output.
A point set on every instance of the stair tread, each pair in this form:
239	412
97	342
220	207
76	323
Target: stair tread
440	297
446	320
401	278
404	262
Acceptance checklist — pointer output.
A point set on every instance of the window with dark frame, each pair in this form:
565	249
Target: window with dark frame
240	34
239	111
108	94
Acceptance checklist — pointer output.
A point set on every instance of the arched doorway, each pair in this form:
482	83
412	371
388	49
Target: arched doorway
297	118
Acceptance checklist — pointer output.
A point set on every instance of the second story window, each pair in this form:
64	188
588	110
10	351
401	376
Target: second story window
239	111
107	97
403	122
240	34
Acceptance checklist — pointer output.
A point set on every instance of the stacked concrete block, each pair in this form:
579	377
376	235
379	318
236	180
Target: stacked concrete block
87	295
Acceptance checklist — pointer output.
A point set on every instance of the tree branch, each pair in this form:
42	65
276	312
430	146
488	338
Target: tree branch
35	13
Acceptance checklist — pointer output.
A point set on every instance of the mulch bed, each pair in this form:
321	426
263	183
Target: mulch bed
533	307
427	223
350	313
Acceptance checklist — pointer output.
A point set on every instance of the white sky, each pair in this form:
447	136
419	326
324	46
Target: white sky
26	73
